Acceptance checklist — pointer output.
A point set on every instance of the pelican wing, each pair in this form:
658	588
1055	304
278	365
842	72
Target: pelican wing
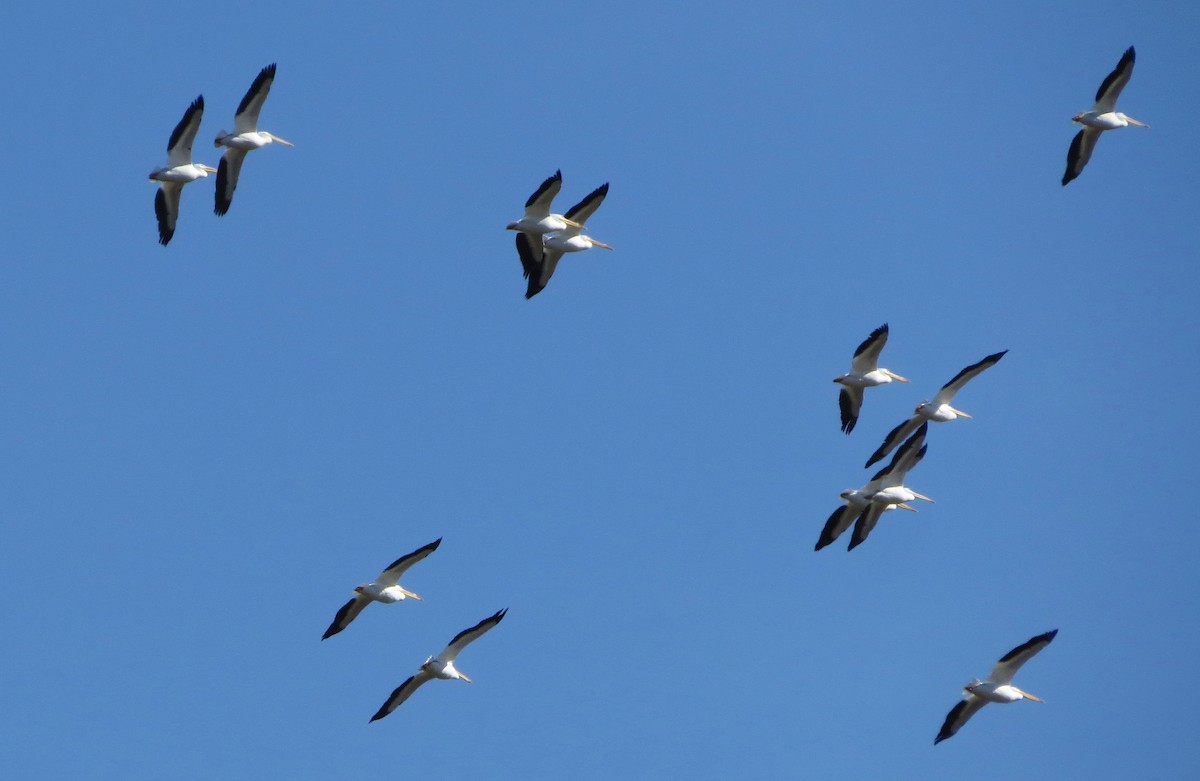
1008	665
894	437
538	205
966	375
467	636
402	693
959	715
246	118
900	468
866	523
866	357
581	211
228	171
166	209
838	522
346	614
1080	152
391	576
850	400
1110	89
549	262
179	147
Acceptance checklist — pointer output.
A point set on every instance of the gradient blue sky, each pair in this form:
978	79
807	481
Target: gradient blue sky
206	446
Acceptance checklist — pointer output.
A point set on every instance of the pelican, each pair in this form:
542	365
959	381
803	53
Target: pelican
179	170
938	410
385	589
890	490
538	221
997	688
1103	116
540	254
865	372
858	501
440	666
245	137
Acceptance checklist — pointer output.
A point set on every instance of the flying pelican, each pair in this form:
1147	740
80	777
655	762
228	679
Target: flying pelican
938	410
245	137
538	221
179	170
865	372
890	490
441	666
858	501
386	589
550	247
997	688
1103	116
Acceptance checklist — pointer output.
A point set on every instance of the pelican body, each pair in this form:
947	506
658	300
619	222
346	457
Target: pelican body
179	170
997	688
865	372
246	137
1101	117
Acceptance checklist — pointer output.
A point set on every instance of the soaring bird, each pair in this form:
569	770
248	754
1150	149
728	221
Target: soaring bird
538	221
890	490
178	171
865	372
540	254
385	589
858	501
440	666
245	137
938	410
1102	116
997	688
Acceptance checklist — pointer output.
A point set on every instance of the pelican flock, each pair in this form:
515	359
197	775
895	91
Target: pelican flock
997	688
865	372
178	171
386	589
246	137
1102	116
543	238
440	666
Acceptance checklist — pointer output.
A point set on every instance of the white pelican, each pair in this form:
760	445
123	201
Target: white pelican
440	666
938	410
997	688
538	221
553	245
1103	116
386	589
858	501
179	170
890	490
245	137
865	372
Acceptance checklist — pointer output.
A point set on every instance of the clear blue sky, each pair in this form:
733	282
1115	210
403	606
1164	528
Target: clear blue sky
207	446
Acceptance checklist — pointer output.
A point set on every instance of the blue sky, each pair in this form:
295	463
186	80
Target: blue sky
208	445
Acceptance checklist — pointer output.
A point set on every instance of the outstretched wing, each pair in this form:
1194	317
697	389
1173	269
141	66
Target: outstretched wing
1110	88
228	171
894	437
966	375
866	357
391	576
246	118
179	147
1008	665
850	401
1080	152
467	636
538	205
958	716
581	211
402	693
346	614
166	209
838	522
866	523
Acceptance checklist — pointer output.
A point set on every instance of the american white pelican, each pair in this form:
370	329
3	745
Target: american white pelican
386	589
440	666
890	491
865	372
1103	116
553	245
938	410
997	688
538	221
245	137
858	501
179	170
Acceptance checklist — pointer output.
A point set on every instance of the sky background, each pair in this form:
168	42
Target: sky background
207	446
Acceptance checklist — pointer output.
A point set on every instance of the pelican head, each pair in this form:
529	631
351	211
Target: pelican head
1078	117
512	226
973	684
848	493
360	589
